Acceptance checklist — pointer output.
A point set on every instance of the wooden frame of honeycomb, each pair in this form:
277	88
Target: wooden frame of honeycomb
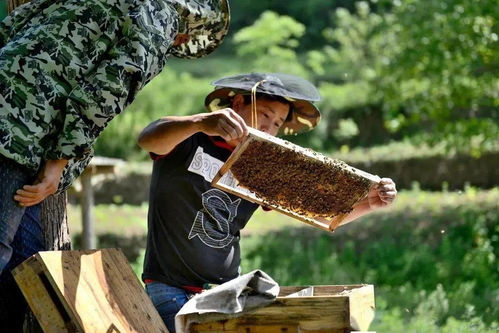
295	181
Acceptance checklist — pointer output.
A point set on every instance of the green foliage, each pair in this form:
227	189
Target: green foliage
424	68
348	71
3	9
314	14
393	322
445	67
126	220
270	43
396	68
430	256
170	93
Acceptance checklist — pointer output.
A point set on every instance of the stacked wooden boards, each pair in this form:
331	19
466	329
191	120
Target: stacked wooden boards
86	291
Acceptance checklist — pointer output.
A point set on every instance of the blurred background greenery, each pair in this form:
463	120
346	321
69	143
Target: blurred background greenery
401	81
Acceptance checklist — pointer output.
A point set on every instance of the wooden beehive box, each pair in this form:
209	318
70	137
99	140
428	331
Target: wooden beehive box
293	180
318	309
86	291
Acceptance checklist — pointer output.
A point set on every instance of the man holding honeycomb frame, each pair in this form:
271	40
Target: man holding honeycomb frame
193	228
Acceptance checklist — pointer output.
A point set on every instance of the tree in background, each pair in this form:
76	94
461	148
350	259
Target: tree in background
349	71
314	14
269	45
421	70
444	70
3	9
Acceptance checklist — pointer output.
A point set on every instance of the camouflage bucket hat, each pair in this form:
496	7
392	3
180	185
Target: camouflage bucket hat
206	22
297	91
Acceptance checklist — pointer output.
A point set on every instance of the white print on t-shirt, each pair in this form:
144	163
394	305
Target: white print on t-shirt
207	166
211	224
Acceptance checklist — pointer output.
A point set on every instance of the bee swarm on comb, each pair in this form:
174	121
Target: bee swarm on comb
317	187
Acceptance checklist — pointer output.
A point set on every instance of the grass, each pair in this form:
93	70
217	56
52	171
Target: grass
119	219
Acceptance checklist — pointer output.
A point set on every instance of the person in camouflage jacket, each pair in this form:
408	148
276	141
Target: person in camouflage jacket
67	67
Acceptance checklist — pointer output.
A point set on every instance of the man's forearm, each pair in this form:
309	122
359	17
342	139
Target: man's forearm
162	135
360	209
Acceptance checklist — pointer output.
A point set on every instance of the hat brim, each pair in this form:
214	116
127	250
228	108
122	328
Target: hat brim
305	115
204	37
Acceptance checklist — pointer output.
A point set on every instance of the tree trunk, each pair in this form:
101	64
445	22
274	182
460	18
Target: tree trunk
55	223
15	3
54	219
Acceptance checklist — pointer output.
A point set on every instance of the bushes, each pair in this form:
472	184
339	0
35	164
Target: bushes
432	255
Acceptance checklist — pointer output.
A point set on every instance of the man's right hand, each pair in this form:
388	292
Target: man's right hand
225	123
45	184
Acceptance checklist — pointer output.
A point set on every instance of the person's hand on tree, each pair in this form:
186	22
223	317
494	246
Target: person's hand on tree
382	194
46	184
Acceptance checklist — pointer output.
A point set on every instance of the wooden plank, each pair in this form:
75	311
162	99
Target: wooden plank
231	160
216	331
208	327
334	309
255	135
308	291
302	330
31	279
314	312
99	291
324	290
268	329
200	328
361	308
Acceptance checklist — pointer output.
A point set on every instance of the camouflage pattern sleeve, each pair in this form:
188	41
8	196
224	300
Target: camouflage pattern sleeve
138	56
5	26
18	17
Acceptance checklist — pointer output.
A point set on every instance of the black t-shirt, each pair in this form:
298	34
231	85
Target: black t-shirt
193	228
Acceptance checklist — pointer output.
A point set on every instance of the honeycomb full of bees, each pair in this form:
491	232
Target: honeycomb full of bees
293	179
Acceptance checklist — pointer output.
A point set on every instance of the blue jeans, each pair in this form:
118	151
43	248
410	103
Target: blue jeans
20	237
168	300
13	176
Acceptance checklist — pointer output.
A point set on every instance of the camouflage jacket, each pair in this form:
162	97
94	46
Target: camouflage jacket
67	67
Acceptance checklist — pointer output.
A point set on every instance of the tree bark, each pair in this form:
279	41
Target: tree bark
55	223
15	3
54	219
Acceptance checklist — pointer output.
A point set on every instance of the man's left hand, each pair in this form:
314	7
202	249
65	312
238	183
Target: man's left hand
382	194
